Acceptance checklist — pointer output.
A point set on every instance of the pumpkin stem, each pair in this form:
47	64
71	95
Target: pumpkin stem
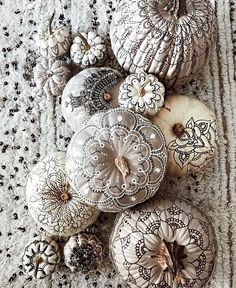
178	8
107	96
39	260
170	257
87	46
122	166
50	24
141	89
178	129
65	196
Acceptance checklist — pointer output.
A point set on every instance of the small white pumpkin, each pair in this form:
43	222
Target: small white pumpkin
189	127
83	252
51	76
163	243
52	202
41	257
87	49
116	160
142	93
54	43
90	91
172	39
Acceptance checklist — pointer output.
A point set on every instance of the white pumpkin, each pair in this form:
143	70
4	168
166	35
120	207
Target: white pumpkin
163	243
52	202
171	39
54	43
41	257
142	93
116	160
83	252
189	127
90	91
51	76
87	49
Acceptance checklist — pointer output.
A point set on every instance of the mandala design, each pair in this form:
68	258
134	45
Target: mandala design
41	257
142	93
92	93
181	255
83	252
116	160
171	39
196	145
53	204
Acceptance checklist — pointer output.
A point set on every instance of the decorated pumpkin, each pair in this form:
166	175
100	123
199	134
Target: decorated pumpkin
171	39
116	160
163	243
189	127
52	202
90	91
54	43
41	257
51	76
83	252
142	93
87	49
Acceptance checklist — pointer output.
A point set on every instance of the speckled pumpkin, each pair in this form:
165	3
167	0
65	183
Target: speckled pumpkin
116	160
189	127
171	39
53	203
90	91
163	243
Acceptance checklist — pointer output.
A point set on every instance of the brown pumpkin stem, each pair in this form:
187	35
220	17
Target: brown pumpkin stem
178	129
65	196
87	46
107	96
178	8
50	24
122	166
170	257
141	90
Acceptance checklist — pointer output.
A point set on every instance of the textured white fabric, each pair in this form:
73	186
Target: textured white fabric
32	126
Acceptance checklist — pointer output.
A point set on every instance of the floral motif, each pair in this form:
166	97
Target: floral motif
41	257
83	252
195	145
162	38
92	93
142	93
53	203
87	49
116	160
54	43
51	75
163	243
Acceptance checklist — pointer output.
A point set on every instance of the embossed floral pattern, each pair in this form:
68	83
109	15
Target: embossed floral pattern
142	93
117	160
53	203
196	145
140	235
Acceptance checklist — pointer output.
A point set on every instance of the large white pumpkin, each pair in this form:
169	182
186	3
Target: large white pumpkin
172	39
53	203
90	91
163	243
116	160
189	127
